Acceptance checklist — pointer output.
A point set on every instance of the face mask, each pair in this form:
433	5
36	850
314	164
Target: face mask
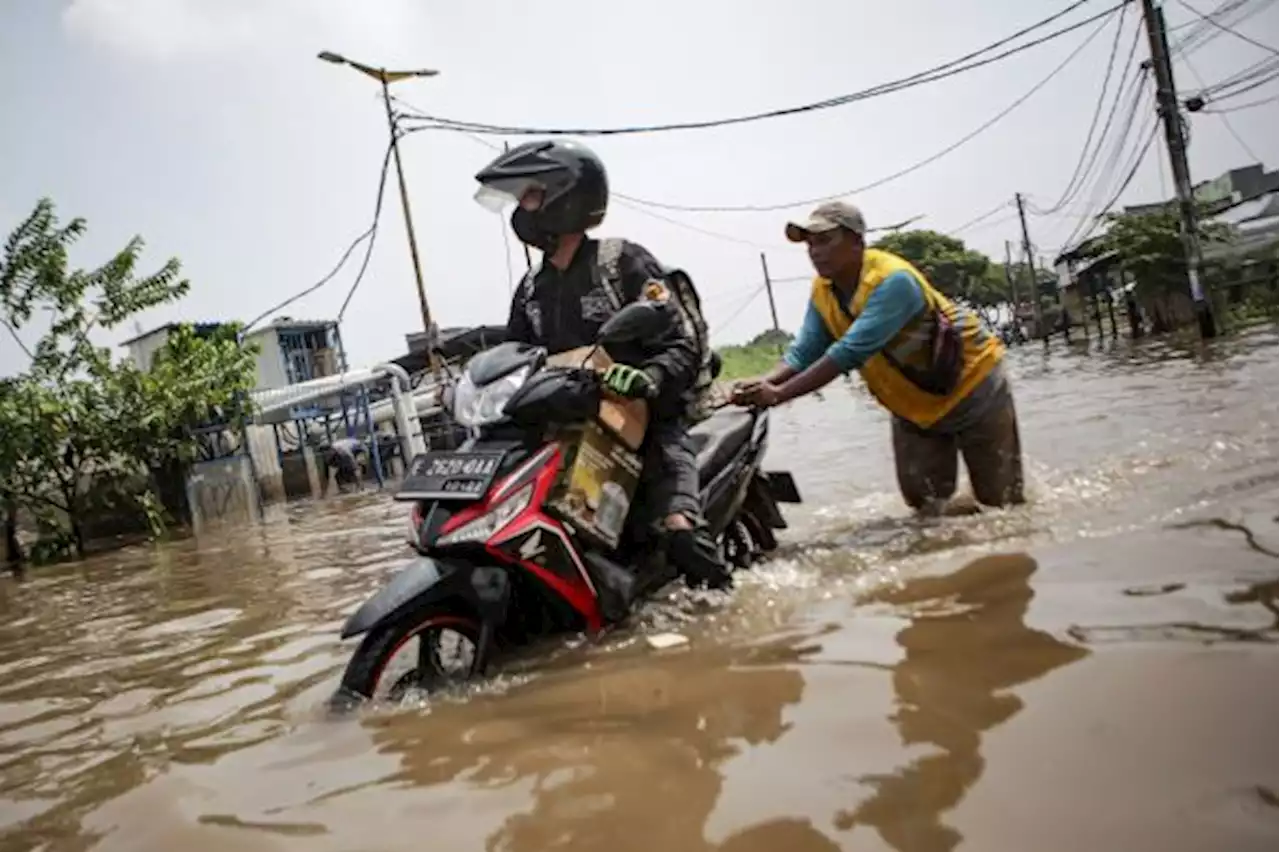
525	224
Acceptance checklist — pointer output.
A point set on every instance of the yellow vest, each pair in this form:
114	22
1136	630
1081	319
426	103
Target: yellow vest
912	346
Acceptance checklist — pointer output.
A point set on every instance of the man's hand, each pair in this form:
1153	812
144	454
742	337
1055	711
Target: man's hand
743	389
630	382
756	392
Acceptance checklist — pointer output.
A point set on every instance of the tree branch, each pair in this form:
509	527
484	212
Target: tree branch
13	332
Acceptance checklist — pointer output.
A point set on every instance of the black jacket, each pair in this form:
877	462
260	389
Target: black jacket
565	310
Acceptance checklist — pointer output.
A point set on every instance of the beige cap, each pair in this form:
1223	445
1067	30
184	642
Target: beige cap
826	217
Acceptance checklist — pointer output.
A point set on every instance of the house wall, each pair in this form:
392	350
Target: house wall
143	350
270	364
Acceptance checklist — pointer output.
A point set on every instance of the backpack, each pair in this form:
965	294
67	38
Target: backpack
689	307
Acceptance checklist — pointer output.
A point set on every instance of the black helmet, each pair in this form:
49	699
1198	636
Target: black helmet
573	180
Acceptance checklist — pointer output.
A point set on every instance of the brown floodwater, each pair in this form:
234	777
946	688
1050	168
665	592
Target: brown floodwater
1096	670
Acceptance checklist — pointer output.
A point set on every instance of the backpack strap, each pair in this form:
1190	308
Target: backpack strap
526	283
689	305
609	270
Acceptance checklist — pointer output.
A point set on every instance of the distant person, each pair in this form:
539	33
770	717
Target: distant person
930	362
344	459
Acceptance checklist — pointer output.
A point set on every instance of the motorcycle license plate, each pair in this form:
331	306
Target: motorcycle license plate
449	475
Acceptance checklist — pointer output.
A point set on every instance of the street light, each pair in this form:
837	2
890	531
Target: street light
386	78
899	226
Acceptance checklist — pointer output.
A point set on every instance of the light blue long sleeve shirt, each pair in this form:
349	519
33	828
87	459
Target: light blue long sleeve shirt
892	305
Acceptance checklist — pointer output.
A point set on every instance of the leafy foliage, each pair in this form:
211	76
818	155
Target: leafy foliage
1149	246
77	419
958	272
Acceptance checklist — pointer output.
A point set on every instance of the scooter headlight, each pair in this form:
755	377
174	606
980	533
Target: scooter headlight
478	406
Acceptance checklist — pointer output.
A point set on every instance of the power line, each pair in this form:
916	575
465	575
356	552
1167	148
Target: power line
939	72
1241	107
1226	122
1003	205
1126	87
755	294
1220	9
373	237
1225	28
1203	33
1096	219
762	208
1109	168
1220	93
1142	155
1251	73
367	235
1078	175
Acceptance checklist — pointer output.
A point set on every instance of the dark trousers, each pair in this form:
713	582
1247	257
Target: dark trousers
927	462
669	483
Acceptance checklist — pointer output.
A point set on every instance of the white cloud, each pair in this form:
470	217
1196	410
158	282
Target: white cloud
169	30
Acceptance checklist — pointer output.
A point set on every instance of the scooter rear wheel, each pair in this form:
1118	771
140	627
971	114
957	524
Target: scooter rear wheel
368	668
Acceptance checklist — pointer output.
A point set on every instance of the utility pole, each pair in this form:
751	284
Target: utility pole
386	78
1013	290
404	203
1167	108
1031	269
768	286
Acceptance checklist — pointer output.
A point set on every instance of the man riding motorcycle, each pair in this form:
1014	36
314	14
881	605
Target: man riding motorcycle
560	190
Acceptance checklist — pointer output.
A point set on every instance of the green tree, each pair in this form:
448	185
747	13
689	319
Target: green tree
1149	246
78	421
957	271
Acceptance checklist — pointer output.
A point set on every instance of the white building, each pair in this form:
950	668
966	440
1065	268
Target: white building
289	351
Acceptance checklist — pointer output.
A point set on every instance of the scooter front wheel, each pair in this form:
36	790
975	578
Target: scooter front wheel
447	641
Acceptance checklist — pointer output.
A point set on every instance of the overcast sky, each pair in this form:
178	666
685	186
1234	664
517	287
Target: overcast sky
208	127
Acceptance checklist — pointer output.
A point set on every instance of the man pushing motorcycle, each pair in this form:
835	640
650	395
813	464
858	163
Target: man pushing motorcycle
926	359
560	191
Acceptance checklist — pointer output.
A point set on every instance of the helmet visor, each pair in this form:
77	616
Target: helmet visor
497	195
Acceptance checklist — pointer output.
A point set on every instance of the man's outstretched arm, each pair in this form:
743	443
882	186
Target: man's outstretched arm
894	303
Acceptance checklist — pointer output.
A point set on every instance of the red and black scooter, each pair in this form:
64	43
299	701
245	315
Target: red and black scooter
499	563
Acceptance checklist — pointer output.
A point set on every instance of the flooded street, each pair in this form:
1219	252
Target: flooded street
1095	670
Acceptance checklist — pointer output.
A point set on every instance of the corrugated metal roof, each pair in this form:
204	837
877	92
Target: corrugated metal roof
286	324
291	324
1254	208
200	328
1248	241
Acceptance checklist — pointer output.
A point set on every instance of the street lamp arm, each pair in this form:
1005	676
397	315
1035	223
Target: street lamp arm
382	75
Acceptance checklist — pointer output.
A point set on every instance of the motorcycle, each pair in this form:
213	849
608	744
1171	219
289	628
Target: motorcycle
520	534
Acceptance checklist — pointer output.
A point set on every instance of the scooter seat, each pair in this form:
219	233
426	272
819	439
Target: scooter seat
718	438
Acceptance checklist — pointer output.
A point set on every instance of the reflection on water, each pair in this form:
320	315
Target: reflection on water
627	758
967	645
886	682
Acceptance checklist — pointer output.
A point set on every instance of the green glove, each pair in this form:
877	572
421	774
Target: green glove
630	382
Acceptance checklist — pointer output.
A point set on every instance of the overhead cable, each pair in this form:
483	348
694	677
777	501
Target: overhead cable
1241	107
367	235
939	72
803	202
1003	205
1226	122
1224	28
1079	173
1110	166
1203	33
